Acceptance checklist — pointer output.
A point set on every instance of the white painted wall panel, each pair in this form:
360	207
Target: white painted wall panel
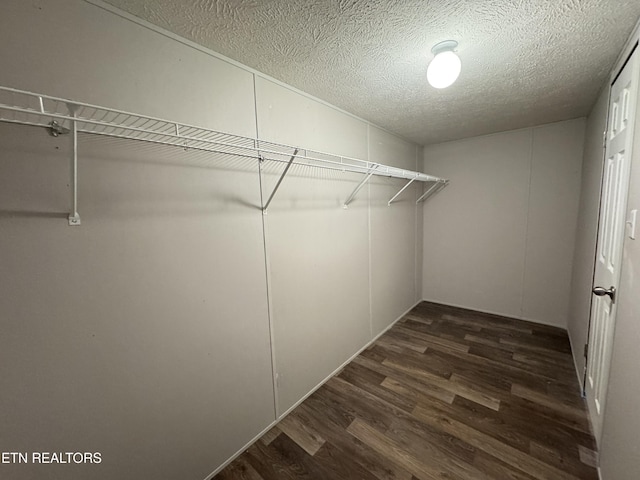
556	167
475	229
90	55
285	116
167	270
500	237
393	253
419	231
393	232
318	261
142	334
390	149
318	252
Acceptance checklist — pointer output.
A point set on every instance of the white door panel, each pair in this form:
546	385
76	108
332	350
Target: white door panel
618	141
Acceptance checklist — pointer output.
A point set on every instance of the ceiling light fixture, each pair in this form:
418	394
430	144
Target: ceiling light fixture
445	66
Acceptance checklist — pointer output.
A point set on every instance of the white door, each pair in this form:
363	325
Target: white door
618	141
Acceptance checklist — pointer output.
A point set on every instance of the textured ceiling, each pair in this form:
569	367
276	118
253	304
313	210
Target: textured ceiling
524	62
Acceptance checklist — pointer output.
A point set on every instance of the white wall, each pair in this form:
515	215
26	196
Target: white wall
500	238
75	50
393	246
318	252
587	232
147	333
122	336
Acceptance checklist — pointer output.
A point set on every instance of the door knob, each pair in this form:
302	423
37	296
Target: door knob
601	291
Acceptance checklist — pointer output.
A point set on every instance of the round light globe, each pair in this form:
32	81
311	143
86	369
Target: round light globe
444	69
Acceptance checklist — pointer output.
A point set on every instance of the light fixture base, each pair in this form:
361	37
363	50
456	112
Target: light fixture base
447	45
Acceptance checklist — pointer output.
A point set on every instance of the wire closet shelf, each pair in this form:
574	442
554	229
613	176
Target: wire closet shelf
62	116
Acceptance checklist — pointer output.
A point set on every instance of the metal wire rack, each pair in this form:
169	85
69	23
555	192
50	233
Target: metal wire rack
61	116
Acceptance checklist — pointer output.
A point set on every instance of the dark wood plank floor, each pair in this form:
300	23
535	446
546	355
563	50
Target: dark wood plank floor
445	394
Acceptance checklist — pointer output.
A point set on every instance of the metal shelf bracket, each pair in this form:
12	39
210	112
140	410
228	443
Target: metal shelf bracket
346	203
284	173
55	129
401	190
432	190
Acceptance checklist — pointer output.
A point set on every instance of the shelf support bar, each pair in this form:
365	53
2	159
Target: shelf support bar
284	173
426	194
432	190
401	190
74	217
346	203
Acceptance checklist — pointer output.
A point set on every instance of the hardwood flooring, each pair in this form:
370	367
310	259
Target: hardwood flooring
446	393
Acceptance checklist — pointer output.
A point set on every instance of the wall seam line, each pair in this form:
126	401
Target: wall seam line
267	266
370	235
526	227
416	295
